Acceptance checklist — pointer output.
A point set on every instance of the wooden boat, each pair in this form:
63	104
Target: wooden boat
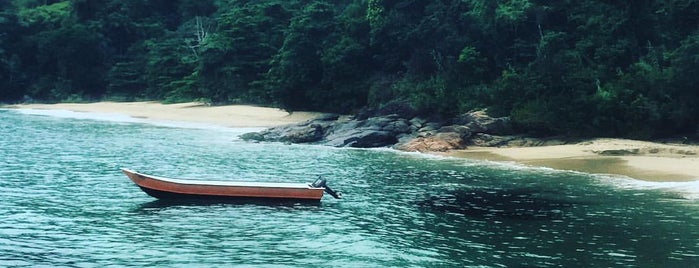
167	188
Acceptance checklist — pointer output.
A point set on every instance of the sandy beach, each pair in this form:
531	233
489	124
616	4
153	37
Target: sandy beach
227	116
641	160
635	159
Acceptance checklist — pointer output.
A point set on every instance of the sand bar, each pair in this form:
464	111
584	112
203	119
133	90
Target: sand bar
227	116
636	159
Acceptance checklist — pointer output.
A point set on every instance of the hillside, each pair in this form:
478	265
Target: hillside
576	68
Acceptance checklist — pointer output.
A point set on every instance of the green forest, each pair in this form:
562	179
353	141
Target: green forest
577	68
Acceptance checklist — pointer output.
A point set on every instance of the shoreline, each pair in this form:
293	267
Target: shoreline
640	160
192	112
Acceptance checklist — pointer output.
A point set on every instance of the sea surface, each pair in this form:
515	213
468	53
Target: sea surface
64	203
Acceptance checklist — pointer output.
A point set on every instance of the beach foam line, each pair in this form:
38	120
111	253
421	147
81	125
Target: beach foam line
686	189
122	118
79	115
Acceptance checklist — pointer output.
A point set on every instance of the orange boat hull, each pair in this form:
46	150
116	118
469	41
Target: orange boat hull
165	188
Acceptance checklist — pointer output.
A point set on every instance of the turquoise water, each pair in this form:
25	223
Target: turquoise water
64	203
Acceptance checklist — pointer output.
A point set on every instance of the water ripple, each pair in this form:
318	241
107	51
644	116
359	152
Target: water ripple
64	203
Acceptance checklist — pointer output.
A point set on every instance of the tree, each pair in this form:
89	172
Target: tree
237	54
324	61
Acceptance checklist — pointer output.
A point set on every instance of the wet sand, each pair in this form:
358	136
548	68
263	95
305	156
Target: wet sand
641	160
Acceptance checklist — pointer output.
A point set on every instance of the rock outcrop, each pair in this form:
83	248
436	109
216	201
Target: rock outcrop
332	130
408	134
462	131
306	132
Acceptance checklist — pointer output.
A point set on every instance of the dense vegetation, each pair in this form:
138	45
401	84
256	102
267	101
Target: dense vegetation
593	67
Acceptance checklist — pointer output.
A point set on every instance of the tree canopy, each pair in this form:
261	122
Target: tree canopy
592	67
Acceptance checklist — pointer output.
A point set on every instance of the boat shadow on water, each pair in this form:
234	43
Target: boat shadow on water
515	204
162	204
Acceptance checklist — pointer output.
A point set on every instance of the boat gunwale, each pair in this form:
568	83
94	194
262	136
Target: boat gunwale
243	184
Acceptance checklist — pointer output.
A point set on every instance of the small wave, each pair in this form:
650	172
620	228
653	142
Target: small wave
686	189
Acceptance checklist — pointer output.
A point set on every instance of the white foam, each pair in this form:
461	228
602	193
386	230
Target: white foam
79	115
686	189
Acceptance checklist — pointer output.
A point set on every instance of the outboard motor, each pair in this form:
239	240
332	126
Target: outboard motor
321	183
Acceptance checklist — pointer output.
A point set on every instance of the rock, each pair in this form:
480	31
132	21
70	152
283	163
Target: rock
520	141
486	140
326	117
381	122
372	132
305	132
431	126
619	152
417	122
338	133
386	129
464	132
371	139
401	109
338	137
253	136
480	122
312	133
439	142
399	126
361	138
